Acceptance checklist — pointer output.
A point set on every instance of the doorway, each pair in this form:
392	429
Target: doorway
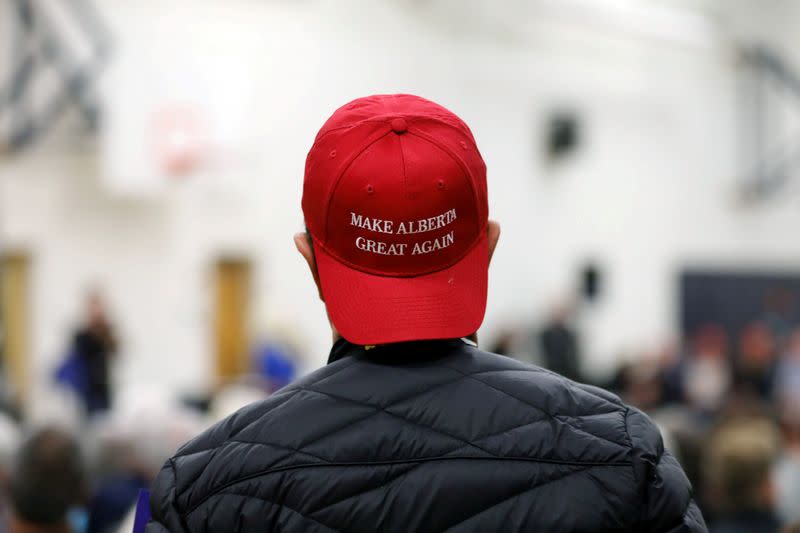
232	277
14	322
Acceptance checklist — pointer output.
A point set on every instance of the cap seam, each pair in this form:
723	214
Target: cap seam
460	163
403	165
344	169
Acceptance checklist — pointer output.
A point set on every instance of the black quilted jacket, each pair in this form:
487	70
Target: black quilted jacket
429	436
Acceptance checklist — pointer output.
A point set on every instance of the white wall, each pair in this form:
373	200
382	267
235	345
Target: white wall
652	191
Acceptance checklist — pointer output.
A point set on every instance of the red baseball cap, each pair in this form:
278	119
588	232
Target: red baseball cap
395	200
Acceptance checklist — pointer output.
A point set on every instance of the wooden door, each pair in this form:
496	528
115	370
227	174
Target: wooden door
14	317
231	317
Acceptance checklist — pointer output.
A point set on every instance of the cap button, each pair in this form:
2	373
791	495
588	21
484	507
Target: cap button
399	125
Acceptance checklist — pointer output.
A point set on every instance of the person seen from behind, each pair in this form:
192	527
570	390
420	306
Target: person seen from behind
47	486
739	461
411	426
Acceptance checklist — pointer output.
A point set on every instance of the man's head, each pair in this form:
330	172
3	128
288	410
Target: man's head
95	307
738	463
46	480
398	240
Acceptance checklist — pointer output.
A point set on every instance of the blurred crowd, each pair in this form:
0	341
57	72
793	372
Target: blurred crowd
728	404
730	407
60	476
80	467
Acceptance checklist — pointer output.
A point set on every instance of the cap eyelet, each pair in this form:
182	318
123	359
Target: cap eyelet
370	189
333	153
440	184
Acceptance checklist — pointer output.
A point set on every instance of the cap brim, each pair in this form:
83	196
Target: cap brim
370	309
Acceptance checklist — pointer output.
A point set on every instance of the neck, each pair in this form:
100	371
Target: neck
337	337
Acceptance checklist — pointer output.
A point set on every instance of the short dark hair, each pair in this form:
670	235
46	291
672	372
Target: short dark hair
47	477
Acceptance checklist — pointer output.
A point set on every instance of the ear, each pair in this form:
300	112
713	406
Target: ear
493	229
302	242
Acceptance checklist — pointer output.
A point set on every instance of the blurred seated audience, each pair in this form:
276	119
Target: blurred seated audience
755	361
706	374
9	442
787	468
787	375
47	487
558	344
715	406
129	445
739	458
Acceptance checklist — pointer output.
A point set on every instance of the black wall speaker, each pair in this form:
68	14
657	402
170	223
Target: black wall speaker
563	134
591	281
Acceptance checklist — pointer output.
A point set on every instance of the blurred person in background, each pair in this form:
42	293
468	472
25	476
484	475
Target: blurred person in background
755	361
94	345
706	373
411	427
47	487
503	343
641	383
738	471
276	363
129	446
558	343
787	375
779	305
667	356
9	444
787	468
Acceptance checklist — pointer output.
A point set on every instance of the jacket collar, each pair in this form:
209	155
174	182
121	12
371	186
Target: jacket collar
412	350
343	348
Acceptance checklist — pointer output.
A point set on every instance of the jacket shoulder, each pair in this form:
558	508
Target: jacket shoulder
665	493
186	473
539	385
